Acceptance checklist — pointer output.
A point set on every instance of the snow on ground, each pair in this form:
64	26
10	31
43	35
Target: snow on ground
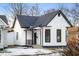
24	51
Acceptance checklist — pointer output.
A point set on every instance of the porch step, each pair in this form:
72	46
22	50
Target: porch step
11	46
36	46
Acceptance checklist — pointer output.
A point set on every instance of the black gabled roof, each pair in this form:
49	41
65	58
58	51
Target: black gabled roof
4	19
38	21
45	19
27	21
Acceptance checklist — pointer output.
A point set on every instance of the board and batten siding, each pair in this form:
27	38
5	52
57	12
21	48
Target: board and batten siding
58	22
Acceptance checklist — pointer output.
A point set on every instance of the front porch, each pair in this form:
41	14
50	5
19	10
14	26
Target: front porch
33	37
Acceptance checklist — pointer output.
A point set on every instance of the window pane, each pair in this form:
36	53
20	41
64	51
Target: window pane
47	35
58	35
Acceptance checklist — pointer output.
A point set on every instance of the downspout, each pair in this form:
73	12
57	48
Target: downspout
42	36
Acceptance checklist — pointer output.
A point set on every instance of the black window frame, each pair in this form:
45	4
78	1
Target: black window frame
59	34
47	33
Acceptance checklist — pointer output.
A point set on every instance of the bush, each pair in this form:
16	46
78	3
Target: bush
72	48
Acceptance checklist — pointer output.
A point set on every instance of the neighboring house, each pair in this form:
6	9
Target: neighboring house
3	31
46	30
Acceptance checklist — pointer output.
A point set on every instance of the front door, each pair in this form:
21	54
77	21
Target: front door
35	36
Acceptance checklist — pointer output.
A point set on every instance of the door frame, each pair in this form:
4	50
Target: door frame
35	38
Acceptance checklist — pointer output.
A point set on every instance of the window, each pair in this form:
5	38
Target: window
58	35
0	36
47	35
17	35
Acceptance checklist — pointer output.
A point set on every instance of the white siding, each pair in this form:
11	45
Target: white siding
4	35
21	38
3	42
21	34
2	38
11	38
56	23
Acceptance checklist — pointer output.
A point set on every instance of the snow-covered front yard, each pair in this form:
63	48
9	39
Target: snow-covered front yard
25	51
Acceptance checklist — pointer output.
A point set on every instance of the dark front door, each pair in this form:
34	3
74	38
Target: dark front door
35	36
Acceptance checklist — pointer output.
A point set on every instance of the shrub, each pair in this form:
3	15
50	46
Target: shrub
72	48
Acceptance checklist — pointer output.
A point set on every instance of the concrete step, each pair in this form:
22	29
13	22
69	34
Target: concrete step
36	46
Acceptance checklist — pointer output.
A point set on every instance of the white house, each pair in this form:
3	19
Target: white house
3	31
48	30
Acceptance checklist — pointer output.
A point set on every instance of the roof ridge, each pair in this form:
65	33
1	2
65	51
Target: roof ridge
27	16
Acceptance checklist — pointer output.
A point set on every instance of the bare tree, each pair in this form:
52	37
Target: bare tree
49	11
68	12
18	9
75	14
35	10
72	14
